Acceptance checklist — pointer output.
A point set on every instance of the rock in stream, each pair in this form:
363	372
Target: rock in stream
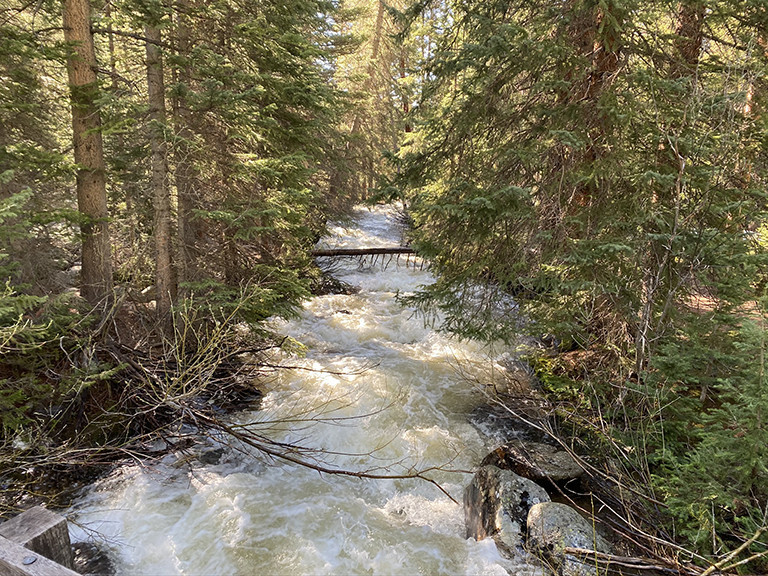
496	503
519	514
535	460
553	527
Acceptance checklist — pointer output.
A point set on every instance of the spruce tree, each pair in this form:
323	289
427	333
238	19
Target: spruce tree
594	170
255	110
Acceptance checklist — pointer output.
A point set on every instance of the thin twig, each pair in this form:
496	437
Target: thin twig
262	447
719	565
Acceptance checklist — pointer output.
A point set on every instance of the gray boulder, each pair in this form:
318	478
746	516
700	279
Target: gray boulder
535	461
496	503
553	527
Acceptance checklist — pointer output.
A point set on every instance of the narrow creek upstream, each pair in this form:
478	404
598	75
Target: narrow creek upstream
383	392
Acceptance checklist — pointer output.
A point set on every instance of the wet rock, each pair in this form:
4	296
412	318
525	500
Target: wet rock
535	461
91	560
553	527
496	503
494	422
211	457
155	446
518	379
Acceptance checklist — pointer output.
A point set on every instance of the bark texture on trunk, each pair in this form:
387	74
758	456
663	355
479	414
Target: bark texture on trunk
185	175
96	274
362	251
690	37
373	64
165	286
594	32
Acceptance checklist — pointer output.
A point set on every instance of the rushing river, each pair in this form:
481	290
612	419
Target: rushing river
378	391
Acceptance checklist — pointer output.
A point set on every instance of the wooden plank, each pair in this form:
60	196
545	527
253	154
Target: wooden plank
15	560
362	251
41	531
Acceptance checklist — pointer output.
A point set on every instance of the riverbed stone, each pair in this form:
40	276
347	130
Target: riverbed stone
552	527
517	380
212	456
92	560
535	461
496	503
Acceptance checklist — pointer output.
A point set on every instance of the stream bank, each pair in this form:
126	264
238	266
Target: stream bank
364	386
369	388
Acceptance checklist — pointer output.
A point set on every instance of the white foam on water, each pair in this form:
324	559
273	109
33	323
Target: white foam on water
379	392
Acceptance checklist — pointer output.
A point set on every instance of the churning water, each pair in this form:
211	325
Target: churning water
375	390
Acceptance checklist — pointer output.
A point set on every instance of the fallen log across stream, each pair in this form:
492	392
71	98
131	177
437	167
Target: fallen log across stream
362	251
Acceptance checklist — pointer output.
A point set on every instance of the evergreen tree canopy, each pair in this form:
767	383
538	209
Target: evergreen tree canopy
596	171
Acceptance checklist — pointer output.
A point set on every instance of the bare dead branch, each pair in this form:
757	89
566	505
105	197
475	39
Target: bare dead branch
720	565
132	35
362	370
247	439
641	564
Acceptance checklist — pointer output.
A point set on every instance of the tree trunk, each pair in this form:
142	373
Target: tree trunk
606	46
185	173
594	33
96	274
406	96
359	150
605	50
362	251
658	262
373	63
689	38
165	286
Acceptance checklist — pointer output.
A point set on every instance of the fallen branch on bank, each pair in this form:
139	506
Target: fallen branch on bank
362	251
624	562
721	565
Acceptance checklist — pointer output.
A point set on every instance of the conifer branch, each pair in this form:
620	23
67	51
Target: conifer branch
133	35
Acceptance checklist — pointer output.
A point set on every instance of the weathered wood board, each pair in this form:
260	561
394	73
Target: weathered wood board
15	560
40	537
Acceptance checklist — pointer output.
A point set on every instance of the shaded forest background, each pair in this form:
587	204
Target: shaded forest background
594	167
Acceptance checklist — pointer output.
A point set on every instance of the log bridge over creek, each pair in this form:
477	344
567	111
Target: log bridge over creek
36	543
375	252
363	251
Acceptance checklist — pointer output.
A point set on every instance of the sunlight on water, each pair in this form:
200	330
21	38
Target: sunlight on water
379	391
